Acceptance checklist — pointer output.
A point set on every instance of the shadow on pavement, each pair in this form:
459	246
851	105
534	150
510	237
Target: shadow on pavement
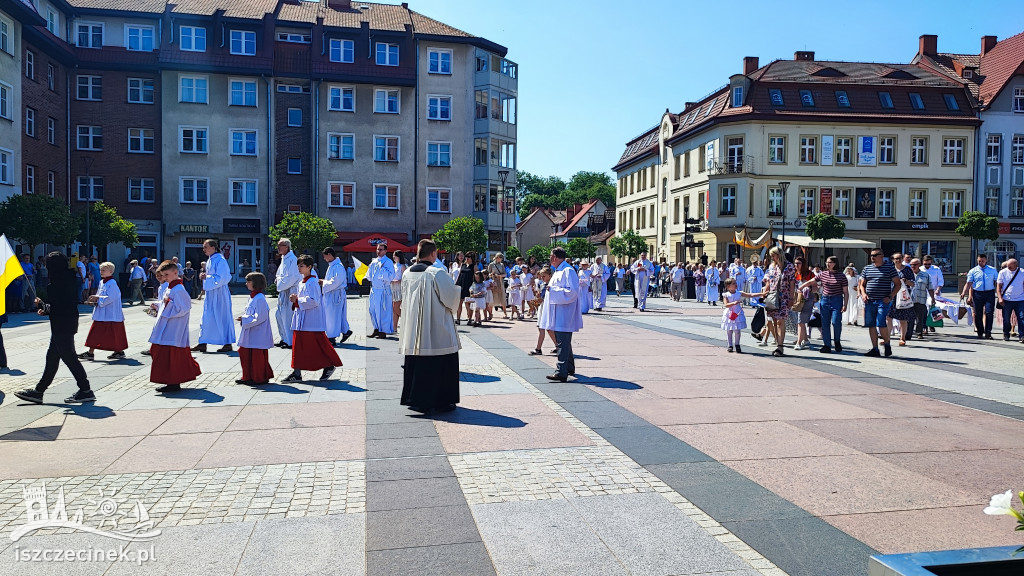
471	377
41	434
89	410
608	383
356	347
473	417
12	372
330	385
203	394
285	388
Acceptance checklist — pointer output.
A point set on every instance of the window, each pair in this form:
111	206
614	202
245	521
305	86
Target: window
385	101
728	194
992	194
886	150
677	172
140	90
242	93
51	130
806	98
341	194
192	140
295	117
917	203
734	155
195	190
951	103
777	149
440	62
51	183
919	150
342	50
481	104
508	155
51	77
90	138
1017	149
808	149
675	211
385	196
952	202
90	35
884	202
6	156
30	65
994	148
439	200
5	37
481	64
139	38
1017	203
140	140
193	89
737	96
916	102
776	96
30	122
5	100
243	192
385	148
774	202
90	88
291	88
508	108
1018	99
844	150
243	142
30	179
294	38
480	151
807	201
702	158
141	189
387	54
193	39
439	154
341	98
439	108
243	42
341	146
885	99
90	188
295	165
842	99
841	202
953	151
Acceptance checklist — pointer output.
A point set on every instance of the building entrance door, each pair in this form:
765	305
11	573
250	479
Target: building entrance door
249	256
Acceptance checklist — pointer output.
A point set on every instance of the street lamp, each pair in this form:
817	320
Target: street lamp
784	186
87	160
503	175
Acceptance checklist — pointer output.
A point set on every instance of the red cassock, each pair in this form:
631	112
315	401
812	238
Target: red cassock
107	336
255	364
312	351
172	365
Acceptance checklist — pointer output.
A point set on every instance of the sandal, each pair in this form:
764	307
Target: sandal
536	352
778	352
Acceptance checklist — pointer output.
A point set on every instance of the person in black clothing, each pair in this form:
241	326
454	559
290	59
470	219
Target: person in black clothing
3	352
465	281
63	313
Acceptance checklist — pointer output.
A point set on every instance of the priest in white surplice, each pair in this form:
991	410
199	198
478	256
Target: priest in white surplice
642	270
600	274
381	272
286	282
561	312
335	301
218	325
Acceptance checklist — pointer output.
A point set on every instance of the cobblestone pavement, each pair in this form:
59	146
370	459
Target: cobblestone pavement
650	463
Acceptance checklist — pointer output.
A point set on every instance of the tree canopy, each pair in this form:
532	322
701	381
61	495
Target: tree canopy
309	234
824	227
978	226
511	253
580	248
105	226
38	219
542	252
462	234
628	244
553	192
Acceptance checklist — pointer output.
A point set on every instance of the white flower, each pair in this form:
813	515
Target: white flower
1000	505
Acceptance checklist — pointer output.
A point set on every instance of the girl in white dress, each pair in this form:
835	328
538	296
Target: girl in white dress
477	296
733	319
515	293
489	299
854	306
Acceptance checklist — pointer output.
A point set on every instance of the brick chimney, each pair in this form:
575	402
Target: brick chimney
749	64
928	45
803	55
987	44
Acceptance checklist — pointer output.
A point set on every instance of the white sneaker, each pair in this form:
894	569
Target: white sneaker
763	342
801	346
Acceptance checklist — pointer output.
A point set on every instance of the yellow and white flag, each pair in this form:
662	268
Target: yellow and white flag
10	270
361	270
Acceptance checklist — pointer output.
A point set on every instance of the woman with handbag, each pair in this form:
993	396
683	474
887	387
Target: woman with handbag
803	306
902	313
780	285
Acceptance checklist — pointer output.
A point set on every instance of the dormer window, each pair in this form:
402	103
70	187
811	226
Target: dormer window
737	96
885	99
776	96
842	99
916	102
951	102
711	107
968	73
806	98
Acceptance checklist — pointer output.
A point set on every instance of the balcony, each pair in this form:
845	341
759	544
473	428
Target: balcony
733	165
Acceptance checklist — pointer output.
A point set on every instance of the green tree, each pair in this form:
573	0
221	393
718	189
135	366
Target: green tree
531	201
628	244
824	227
309	234
527	183
542	252
580	248
105	226
462	234
977	226
38	219
511	253
583	180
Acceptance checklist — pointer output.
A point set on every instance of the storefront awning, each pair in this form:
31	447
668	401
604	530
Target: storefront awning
798	239
369	244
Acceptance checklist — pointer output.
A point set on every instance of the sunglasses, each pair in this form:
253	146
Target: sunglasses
876	255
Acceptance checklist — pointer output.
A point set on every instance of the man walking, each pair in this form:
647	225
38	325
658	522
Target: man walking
642	270
879	283
286	280
218	325
560	312
381	272
600	273
1010	290
620	279
135	279
335	303
678	275
980	292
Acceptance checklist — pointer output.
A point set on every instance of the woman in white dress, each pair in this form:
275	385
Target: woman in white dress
853	308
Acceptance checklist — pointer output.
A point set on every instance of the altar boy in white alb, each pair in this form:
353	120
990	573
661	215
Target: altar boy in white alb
217	326
561	314
256	337
381	272
335	301
286	282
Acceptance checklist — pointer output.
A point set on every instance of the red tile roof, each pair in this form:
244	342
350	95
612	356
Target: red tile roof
579	216
148	6
1001	63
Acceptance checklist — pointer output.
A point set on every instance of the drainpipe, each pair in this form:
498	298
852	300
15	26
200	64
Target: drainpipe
416	148
315	97
270	161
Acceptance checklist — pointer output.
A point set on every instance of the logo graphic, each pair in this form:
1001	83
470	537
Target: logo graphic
106	508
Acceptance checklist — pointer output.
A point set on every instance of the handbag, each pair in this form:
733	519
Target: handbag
773	300
934	317
903	300
999	304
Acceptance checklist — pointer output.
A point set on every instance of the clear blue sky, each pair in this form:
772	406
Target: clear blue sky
595	74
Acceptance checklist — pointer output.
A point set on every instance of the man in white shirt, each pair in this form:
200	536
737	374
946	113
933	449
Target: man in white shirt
934	272
381	272
287	282
600	273
620	279
1010	291
980	292
136	279
218	324
678	275
738	273
335	299
560	312
642	270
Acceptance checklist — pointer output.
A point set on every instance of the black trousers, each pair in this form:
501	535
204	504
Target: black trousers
3	352
62	349
566	360
984	308
921	312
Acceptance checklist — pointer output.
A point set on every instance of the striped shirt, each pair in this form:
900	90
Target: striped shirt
878	280
833	283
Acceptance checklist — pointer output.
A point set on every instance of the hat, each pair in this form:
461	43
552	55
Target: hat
517	269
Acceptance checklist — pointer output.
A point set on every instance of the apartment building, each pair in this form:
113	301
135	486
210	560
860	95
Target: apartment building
995	77
888	148
12	70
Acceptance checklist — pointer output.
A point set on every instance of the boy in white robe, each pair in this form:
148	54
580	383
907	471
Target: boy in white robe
173	364
255	337
310	348
334	287
286	282
107	330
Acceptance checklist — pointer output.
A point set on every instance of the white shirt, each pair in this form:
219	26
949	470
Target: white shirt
936	275
642	269
138	273
108	307
739	273
677	275
335	278
561	310
620	272
171	327
217	273
287	276
256	332
309	316
381	272
1015	290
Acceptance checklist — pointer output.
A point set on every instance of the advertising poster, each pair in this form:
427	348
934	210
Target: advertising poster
827	150
865	203
866	151
825	195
